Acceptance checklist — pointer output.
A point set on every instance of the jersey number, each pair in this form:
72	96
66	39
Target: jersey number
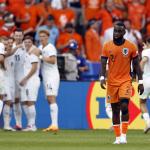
17	57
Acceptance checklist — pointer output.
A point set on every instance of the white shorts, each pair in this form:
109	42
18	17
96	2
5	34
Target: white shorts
30	91
51	86
2	82
146	93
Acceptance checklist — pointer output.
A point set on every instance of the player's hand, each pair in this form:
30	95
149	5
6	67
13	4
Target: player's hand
103	84
140	89
23	82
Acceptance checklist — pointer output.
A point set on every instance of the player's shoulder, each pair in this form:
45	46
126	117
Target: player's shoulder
130	43
108	43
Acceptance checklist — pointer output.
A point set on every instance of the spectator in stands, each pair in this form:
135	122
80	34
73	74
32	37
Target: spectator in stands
45	8
107	15
136	13
29	17
2	11
50	26
67	37
92	41
64	15
90	8
9	25
147	5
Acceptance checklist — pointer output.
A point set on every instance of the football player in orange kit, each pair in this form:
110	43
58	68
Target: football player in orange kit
119	52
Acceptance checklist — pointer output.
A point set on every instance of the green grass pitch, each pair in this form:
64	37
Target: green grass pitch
72	140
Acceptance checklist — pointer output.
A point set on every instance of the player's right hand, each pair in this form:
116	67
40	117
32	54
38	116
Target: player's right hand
103	84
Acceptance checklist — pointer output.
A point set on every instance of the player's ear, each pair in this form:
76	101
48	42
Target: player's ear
124	32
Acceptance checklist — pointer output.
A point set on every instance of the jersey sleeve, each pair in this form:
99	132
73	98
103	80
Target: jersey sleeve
105	51
145	53
2	49
51	51
34	59
134	51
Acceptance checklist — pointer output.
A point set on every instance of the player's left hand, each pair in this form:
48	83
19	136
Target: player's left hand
140	89
23	82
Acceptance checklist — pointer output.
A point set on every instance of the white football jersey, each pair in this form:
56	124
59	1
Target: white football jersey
146	53
2	50
19	57
29	59
47	68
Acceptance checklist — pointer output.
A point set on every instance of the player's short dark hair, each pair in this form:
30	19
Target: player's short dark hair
18	30
28	37
148	39
120	23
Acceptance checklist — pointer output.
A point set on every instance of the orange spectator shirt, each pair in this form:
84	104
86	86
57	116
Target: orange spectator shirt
91	7
66	37
64	16
119	59
15	6
93	46
42	10
33	13
106	19
135	14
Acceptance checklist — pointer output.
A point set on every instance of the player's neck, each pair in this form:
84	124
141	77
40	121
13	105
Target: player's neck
119	41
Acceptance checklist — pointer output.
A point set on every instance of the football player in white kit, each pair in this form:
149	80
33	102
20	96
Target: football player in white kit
145	65
9	63
19	61
30	82
50	76
2	76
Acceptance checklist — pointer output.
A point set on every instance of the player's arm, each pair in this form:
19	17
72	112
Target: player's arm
136	66
30	74
143	61
50	59
103	71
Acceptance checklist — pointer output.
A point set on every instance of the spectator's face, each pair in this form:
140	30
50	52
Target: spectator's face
64	3
28	44
69	30
110	5
28	1
50	23
118	32
2	8
95	26
127	24
43	38
10	43
18	36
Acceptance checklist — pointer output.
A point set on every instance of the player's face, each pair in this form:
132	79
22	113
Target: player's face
28	44
118	32
43	38
18	36
10	43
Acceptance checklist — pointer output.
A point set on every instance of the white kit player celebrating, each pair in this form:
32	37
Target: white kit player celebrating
2	76
145	65
19	61
51	77
30	82
9	84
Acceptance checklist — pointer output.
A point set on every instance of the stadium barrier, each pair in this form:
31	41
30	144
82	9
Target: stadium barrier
82	106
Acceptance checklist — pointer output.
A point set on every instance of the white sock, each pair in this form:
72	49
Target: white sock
54	114
32	115
146	118
6	115
1	106
18	114
25	108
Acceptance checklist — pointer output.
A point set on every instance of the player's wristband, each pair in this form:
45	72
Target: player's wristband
140	81
101	78
41	57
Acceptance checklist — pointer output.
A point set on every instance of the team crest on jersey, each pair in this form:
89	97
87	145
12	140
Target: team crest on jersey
125	51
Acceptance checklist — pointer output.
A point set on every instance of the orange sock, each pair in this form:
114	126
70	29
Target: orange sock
124	127
117	130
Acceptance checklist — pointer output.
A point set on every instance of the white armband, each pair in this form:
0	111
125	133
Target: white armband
101	78
140	81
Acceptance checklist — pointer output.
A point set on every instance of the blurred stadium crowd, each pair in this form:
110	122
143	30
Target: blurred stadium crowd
78	28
